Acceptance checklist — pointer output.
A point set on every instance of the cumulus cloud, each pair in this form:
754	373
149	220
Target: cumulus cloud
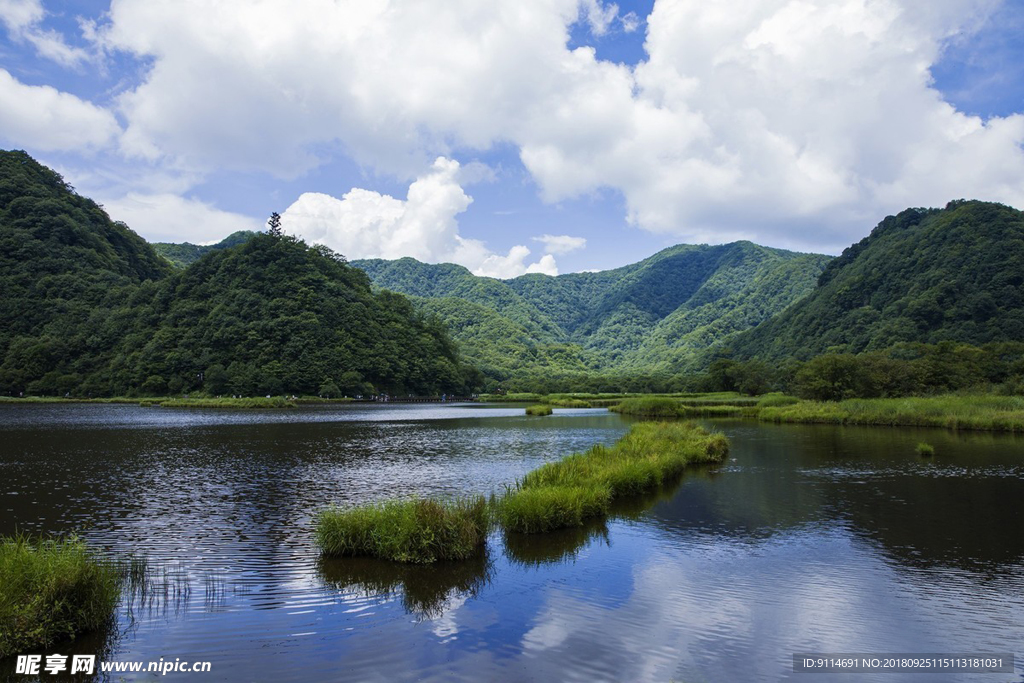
367	224
791	122
561	244
22	19
168	217
43	118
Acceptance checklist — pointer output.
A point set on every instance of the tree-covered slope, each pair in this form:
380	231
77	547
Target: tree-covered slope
63	266
87	307
273	315
652	315
924	275
186	253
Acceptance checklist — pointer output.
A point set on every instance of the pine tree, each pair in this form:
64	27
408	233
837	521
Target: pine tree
275	225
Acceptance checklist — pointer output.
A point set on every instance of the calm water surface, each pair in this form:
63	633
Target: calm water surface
809	539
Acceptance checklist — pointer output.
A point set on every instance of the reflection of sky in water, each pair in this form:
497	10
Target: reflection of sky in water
808	539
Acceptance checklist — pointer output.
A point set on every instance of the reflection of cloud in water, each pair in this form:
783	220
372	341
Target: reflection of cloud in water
720	610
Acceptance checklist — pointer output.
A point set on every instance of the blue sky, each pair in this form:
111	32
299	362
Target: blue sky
541	136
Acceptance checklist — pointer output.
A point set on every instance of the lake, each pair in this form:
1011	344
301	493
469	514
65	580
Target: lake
814	539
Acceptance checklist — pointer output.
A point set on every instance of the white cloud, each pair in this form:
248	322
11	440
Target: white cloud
792	122
367	224
561	244
22	18
18	15
630	22
41	117
599	15
168	217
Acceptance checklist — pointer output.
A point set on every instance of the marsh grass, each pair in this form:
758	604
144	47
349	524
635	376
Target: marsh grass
776	399
416	531
538	410
649	406
51	591
581	486
564	402
981	412
925	450
544	508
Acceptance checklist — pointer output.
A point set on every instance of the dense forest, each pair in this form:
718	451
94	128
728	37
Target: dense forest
924	275
185	254
90	309
629	328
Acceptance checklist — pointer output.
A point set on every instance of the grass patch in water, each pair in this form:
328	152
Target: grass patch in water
649	406
51	591
924	449
538	410
418	531
567	492
561	402
543	508
981	412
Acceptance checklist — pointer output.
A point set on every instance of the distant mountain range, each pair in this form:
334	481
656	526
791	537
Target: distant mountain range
88	306
657	315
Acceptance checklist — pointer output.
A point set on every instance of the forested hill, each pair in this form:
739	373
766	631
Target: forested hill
186	253
653	316
62	262
924	275
88	308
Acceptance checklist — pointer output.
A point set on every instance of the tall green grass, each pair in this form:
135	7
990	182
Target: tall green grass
581	486
649	406
538	410
417	531
51	591
985	412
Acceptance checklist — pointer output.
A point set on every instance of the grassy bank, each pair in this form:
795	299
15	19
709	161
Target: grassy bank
51	591
538	410
252	402
61	399
993	413
582	486
417	531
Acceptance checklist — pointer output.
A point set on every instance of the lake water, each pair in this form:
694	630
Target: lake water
808	539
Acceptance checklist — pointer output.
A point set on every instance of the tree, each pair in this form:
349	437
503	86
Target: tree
274	225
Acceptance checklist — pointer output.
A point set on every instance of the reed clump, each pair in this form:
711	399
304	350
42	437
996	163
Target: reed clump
418	531
538	410
581	486
924	449
52	590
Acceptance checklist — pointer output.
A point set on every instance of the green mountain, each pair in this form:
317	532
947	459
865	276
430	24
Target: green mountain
924	275
64	266
186	253
651	317
89	308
